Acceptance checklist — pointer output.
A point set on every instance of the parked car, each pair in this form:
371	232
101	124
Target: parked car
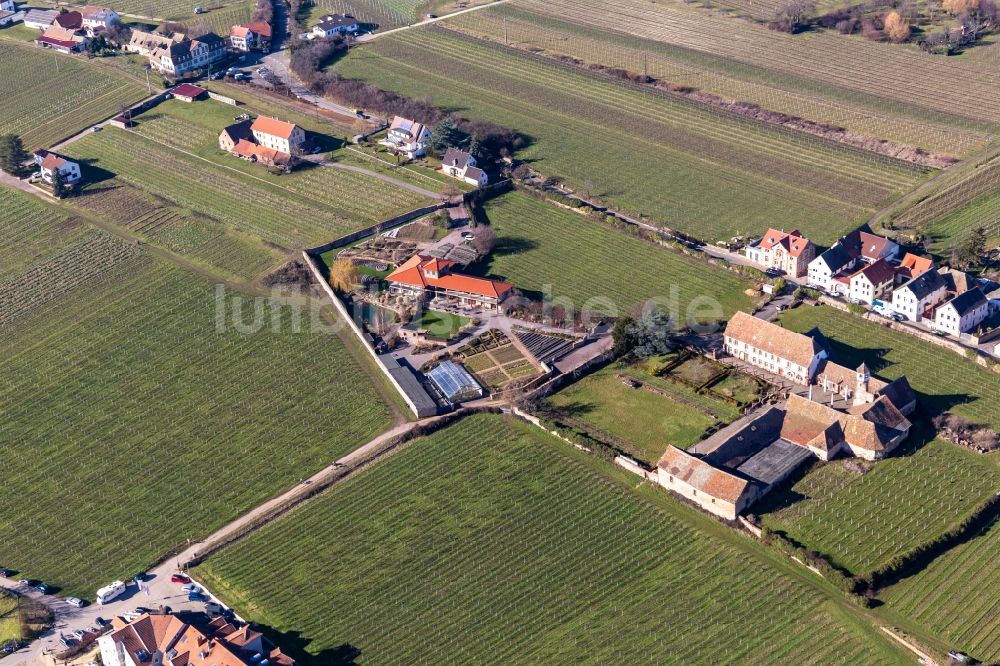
96	128
242	76
772	272
75	601
218	75
467	235
897	317
139	577
42	587
190	588
66	642
214	608
197	596
6	573
101	622
27	582
77	634
233	70
857	301
179	578
109	592
199	10
833	294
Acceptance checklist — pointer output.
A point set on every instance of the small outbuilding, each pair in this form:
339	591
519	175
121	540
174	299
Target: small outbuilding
187	92
455	382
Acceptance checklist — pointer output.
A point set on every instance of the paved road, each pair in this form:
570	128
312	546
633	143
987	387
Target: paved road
375	35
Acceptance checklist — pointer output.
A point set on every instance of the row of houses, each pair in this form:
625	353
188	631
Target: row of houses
166	639
864	267
864	417
67	31
177	54
409	138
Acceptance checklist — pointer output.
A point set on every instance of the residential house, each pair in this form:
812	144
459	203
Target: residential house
40	19
332	25
254	36
278	135
98	19
832	270
962	313
180	56
69	20
462	165
911	266
859	388
958	281
872	282
425	278
790	252
241	140
233	134
8	6
164	639
407	137
917	298
48	162
870	431
770	347
62	39
715	489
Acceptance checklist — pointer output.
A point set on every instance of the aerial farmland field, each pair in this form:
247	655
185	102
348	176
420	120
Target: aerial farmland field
942	380
861	520
47	96
140	422
306	207
955	595
527	26
703	172
542	247
505	545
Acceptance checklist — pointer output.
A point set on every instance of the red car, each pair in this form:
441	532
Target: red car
179	578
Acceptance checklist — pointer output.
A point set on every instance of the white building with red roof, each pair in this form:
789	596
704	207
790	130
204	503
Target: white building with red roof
96	19
427	278
254	36
790	252
278	135
873	281
49	162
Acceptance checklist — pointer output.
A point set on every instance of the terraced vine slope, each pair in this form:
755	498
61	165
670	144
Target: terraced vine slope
45	96
691	168
487	541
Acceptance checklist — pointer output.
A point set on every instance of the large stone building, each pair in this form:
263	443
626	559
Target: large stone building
790	252
770	347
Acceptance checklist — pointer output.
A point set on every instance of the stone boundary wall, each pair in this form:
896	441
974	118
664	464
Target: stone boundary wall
345	315
222	98
391	223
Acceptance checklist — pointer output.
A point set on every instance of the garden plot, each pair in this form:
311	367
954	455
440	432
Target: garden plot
495	360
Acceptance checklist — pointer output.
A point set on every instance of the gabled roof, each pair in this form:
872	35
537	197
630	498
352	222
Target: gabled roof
783	343
968	301
273	127
474	172
835	258
51	160
331	21
873	245
93	13
809	423
237	131
924	284
879	272
240	31
702	476
898	392
872	427
915	265
413	272
70	20
456	158
188	90
46	16
841	376
957	281
406	126
793	241
262	28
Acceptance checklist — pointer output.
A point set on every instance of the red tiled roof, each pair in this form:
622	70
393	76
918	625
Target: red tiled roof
188	90
260	27
52	162
916	265
273	126
877	273
763	335
413	272
872	245
240	31
70	20
793	241
702	476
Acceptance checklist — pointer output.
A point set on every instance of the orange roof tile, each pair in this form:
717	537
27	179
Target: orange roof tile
273	126
783	343
413	272
702	476
916	265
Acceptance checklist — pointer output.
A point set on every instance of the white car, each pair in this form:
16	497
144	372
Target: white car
468	234
190	588
74	601
77	634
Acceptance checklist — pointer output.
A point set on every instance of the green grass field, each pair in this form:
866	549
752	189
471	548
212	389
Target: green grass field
643	420
140	421
943	380
443	324
530	27
864	520
47	96
492	542
680	164
10	625
592	266
955	596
